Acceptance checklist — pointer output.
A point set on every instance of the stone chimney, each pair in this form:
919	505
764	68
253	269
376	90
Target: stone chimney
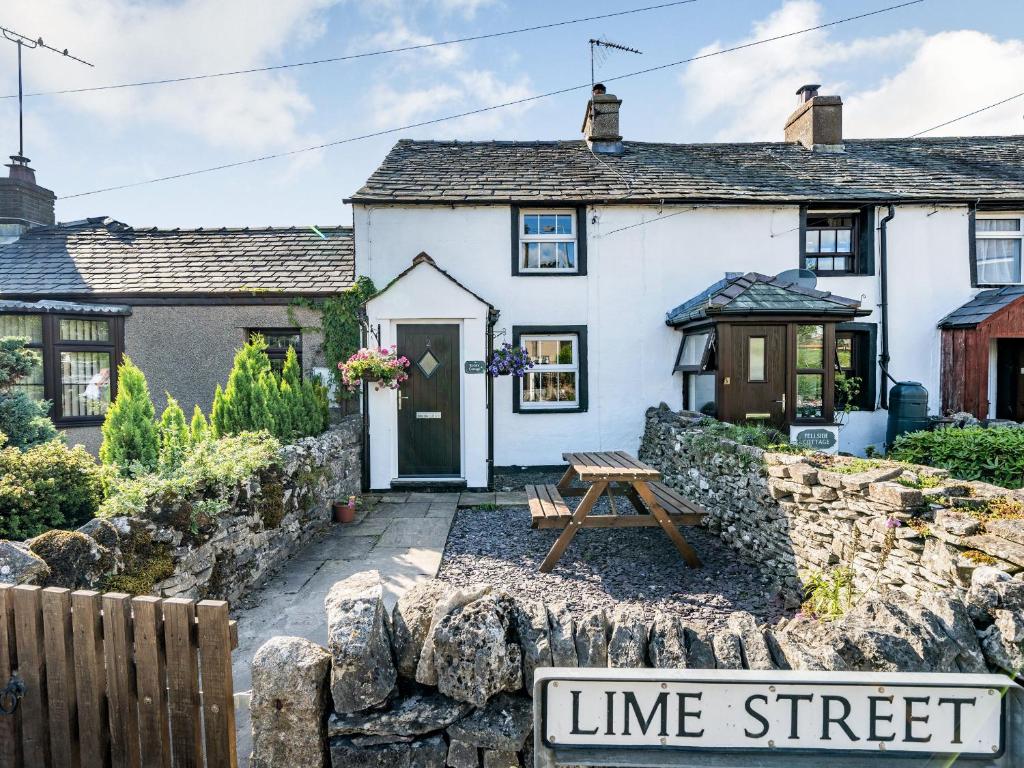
23	203
601	123
817	123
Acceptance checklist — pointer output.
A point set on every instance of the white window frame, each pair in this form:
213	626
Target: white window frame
1018	235
524	404
524	239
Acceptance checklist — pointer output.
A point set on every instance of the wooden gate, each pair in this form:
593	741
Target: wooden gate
115	680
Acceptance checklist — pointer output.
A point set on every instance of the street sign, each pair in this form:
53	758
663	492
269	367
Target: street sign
681	717
475	366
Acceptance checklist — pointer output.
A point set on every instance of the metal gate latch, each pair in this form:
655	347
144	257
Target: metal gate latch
10	695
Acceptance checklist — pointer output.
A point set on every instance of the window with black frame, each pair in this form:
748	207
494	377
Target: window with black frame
830	243
77	362
278	340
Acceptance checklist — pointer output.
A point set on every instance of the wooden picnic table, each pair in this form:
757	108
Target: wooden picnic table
618	474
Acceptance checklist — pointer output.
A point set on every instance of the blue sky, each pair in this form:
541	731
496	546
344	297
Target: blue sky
898	73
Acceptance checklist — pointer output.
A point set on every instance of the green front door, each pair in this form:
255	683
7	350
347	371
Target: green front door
428	403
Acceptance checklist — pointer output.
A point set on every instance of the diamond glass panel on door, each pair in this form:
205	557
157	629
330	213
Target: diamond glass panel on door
428	363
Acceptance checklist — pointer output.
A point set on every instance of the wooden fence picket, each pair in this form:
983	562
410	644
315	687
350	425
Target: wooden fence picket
28	630
218	691
150	672
123	711
183	683
112	681
60	677
91	679
10	725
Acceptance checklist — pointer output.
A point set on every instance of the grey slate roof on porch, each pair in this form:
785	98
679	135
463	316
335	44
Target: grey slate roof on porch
754	294
100	256
959	168
982	307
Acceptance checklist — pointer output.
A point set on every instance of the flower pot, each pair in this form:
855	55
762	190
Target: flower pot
344	512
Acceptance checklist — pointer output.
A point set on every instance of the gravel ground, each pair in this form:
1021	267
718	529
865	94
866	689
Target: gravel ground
601	567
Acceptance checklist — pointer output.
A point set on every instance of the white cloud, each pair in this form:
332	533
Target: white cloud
399	35
747	95
462	92
467	8
951	73
130	41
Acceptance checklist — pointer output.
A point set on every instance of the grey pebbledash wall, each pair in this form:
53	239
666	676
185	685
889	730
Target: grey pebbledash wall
187	350
444	680
791	513
174	550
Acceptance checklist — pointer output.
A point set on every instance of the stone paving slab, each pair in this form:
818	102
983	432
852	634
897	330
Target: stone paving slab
475	499
400	536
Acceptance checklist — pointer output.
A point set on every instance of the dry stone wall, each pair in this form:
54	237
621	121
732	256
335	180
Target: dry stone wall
446	679
177	551
898	527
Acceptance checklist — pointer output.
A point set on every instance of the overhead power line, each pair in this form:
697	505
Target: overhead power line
350	57
969	114
468	113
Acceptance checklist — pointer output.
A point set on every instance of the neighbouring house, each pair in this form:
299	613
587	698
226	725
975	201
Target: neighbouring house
741	279
178	301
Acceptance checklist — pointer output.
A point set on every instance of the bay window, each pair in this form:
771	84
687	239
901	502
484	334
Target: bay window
77	362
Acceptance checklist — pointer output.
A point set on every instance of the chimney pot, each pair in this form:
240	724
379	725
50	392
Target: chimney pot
817	123
599	89
806	93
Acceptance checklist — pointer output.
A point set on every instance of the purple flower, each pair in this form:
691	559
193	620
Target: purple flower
892	522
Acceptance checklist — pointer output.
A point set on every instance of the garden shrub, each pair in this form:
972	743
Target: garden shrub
256	398
210	468
23	420
199	429
994	455
46	486
175	437
130	439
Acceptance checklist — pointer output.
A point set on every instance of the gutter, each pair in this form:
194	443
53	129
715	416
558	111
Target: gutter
883	276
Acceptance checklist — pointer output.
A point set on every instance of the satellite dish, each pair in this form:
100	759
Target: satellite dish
803	278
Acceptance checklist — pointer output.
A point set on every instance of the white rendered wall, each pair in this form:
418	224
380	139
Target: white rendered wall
635	275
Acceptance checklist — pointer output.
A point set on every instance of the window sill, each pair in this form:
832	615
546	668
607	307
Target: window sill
548	273
573	409
73	423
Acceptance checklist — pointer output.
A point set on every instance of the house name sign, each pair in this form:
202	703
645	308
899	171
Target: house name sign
681	717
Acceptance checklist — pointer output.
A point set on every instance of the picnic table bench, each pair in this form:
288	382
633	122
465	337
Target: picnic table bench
618	474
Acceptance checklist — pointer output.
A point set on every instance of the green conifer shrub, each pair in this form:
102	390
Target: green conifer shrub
175	438
199	429
24	421
129	431
242	406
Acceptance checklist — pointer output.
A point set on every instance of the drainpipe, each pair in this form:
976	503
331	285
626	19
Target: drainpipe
492	319
883	274
364	470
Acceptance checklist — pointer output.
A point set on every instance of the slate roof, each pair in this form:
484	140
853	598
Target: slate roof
959	168
101	256
982	306
754	293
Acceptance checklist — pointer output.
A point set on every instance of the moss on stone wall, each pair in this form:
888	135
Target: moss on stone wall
75	560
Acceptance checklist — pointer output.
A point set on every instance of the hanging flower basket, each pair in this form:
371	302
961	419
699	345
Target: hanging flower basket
381	367
509	361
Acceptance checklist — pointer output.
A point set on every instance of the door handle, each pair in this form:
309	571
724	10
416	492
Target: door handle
401	397
782	401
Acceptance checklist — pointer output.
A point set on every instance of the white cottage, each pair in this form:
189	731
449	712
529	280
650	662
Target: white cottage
743	280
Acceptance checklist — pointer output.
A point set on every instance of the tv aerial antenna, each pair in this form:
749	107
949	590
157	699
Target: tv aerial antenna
24	41
599	49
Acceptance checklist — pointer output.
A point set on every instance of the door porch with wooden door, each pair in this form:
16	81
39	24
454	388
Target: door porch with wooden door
429	405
